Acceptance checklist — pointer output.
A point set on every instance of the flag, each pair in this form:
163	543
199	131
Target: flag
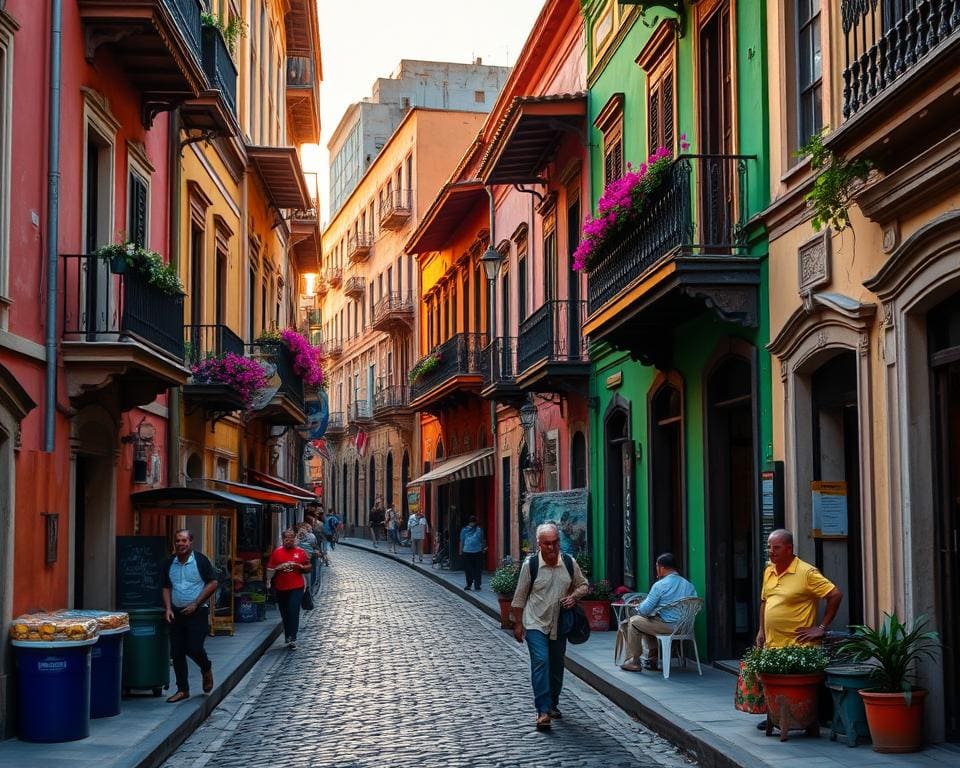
360	443
320	446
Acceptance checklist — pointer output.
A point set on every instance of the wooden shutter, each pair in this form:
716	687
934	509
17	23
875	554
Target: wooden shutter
653	119
612	155
660	117
666	108
137	215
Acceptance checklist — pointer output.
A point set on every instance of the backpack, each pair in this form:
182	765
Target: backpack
574	619
534	565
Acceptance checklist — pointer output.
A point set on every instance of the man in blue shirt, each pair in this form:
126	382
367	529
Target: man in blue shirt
188	583
655	616
472	547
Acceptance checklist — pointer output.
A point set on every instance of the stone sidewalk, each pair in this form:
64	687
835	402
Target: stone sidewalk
695	713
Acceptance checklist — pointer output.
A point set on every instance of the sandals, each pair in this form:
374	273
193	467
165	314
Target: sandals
543	722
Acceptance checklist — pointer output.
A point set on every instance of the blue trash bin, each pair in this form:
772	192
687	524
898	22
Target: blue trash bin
53	690
106	673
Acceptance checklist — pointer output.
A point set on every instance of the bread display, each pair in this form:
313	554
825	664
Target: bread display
50	627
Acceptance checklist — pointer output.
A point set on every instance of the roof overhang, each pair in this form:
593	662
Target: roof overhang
178	500
263	479
264	494
451	206
462	467
528	137
209	113
279	169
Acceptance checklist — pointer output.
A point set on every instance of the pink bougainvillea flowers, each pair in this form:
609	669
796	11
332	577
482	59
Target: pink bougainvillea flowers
245	375
307	359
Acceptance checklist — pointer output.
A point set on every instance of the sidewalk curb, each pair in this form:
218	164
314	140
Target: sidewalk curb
709	750
157	753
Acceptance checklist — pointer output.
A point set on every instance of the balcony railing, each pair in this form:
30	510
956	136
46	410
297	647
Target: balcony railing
396	208
393	398
354	286
334	277
101	306
219	67
700	208
314	318
277	354
461	355
552	333
393	308
361	411
321	287
203	341
333	348
299	72
336	424
884	40
358	246
501	362
187	15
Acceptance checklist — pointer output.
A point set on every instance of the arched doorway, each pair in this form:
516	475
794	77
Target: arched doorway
525	538
388	480
404	479
731	506
620	514
194	468
356	492
344	480
667	502
578	461
371	484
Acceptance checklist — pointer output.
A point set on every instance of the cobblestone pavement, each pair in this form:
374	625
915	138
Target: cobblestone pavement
394	670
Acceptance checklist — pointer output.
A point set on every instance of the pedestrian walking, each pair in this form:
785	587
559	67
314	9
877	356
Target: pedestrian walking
376	520
536	613
393	528
188	583
285	569
472	546
418	529
307	541
789	597
331	528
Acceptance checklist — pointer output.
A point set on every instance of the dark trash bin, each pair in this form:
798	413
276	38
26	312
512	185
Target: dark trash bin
106	673
146	651
53	689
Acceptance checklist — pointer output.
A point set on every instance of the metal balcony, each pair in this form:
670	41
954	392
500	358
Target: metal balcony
336	426
396	209
500	370
333	349
361	412
314	318
288	404
358	247
354	287
218	66
321	287
335	277
460	363
394	313
550	348
202	342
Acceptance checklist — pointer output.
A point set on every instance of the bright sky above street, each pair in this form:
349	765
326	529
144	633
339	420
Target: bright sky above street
362	40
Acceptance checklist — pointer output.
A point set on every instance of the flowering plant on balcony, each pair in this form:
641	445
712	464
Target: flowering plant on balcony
245	375
623	201
424	366
307	359
150	264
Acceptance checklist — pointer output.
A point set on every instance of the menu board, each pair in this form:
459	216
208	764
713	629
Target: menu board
140	564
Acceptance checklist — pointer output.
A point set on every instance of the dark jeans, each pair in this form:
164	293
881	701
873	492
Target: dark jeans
288	601
187	633
314	571
546	668
473	566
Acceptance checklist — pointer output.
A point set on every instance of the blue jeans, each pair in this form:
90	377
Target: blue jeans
314	571
546	668
288	601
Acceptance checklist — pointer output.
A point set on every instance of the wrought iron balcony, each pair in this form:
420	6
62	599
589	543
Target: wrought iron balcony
287	406
314	318
299	72
394	312
552	335
218	66
335	277
321	287
500	369
202	342
884	42
117	328
355	286
459	356
700	209
358	247
333	349
391	399
361	412
336	425
396	209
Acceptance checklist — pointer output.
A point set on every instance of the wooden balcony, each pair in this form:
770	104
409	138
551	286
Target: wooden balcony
120	334
684	254
394	313
551	352
156	43
287	405
396	209
201	342
500	371
359	247
303	100
354	287
459	370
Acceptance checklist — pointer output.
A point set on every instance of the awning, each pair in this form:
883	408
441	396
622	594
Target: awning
447	212
462	467
269	495
282	175
261	478
528	137
178	500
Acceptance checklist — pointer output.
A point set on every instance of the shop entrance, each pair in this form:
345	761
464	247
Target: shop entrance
836	457
93	533
731	474
667	525
944	344
620	515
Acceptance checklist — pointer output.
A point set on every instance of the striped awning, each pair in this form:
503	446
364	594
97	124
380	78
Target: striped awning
462	467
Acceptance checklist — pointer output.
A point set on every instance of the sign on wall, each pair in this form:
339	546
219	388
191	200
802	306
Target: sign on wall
568	509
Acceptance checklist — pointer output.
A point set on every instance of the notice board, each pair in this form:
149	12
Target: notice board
140	564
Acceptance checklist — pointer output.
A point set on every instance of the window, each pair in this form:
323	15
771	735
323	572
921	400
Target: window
809	73
660	114
522	282
550	258
610	124
551	461
6	106
479	97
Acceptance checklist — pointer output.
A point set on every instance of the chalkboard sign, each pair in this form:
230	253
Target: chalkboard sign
248	530
140	564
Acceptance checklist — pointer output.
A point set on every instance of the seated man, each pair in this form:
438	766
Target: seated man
654	617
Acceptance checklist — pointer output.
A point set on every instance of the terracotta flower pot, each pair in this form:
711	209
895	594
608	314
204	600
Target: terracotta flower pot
505	622
895	726
598	614
792	702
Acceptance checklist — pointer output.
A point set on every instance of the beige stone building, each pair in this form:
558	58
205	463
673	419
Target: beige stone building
865	322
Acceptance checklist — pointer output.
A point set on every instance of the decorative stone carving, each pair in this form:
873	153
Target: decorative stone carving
864	345
784	370
822	338
891	237
735	304
813	264
888	314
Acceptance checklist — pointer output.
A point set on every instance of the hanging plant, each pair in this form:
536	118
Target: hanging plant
245	375
232	31
159	274
832	191
307	359
424	366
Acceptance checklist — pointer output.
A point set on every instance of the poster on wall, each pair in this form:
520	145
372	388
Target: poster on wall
829	509
568	509
413	500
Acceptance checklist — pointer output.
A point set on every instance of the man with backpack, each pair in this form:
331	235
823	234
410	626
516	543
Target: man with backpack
548	582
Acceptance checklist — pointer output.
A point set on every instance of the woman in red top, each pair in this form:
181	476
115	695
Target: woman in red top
285	568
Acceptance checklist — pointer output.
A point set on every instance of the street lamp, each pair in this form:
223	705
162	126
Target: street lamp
491	262
528	415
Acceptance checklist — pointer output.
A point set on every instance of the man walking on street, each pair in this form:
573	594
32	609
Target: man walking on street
472	547
187	585
417	527
656	617
536	612
376	522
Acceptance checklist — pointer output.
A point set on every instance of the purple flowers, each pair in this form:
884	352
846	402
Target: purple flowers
622	201
307	359
243	374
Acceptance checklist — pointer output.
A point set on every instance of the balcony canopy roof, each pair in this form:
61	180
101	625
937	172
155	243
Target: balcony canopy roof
177	500
529	135
261	478
447	212
268	495
282	175
462	467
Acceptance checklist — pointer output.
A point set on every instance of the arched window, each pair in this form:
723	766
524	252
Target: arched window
388	480
578	461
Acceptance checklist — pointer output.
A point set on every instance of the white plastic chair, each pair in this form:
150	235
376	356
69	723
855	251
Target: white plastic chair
688	608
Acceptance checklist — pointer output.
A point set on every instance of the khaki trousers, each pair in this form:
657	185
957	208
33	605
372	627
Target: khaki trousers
641	633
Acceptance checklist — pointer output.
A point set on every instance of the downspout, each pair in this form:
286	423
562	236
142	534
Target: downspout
173	395
53	228
493	306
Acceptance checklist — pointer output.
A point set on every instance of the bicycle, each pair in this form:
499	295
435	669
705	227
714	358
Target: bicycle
442	556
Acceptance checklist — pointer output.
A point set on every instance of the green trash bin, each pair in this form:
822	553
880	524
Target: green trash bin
146	651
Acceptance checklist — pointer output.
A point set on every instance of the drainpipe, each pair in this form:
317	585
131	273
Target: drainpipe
173	394
53	229
493	318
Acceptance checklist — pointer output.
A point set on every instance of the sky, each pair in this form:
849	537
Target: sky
361	40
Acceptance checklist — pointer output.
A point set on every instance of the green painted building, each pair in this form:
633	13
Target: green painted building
677	317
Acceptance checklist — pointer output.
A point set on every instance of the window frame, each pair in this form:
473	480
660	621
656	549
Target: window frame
609	122
815	85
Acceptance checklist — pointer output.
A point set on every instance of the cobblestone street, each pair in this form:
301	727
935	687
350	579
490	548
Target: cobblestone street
394	670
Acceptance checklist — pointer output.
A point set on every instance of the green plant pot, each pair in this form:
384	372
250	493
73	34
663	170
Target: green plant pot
118	264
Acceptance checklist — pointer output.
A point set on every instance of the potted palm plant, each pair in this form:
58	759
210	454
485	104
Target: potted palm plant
791	677
894	704
504	584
